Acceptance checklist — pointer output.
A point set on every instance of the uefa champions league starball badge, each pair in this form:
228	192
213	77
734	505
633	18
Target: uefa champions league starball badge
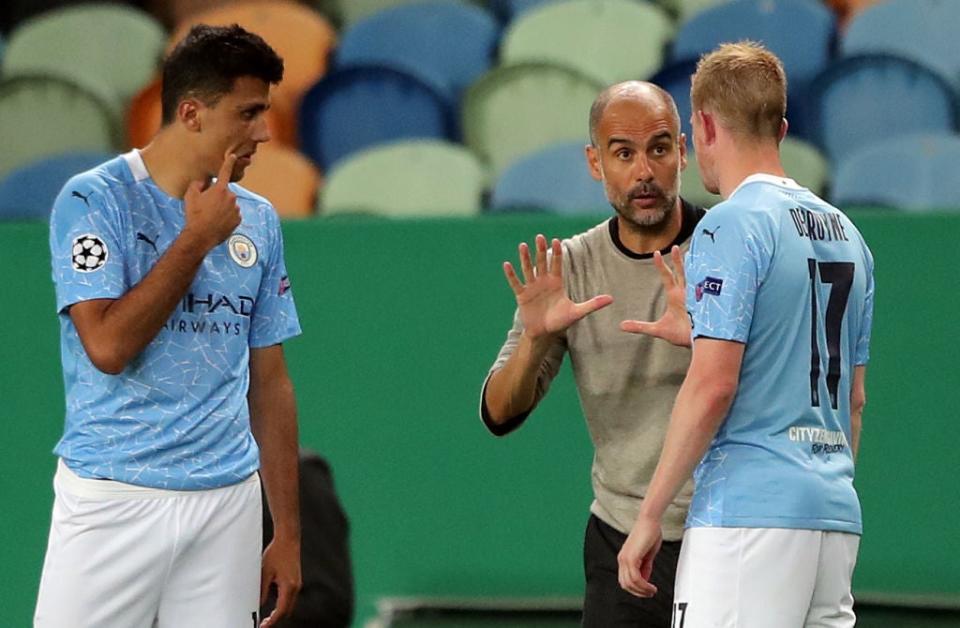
242	250
89	253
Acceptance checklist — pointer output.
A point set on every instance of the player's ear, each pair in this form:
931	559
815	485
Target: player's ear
188	113
783	129
709	125
593	162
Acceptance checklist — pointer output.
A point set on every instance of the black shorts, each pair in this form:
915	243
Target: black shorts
605	604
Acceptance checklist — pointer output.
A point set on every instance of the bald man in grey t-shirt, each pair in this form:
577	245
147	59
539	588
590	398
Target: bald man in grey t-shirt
578	299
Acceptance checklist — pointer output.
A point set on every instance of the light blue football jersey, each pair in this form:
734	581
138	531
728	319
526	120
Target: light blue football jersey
785	273
176	417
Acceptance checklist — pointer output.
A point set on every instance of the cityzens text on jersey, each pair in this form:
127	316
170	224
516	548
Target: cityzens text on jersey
238	308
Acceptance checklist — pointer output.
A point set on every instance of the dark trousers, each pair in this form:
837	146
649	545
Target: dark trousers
605	604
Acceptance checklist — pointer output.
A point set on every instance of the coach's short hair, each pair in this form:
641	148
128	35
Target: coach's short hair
745	84
206	62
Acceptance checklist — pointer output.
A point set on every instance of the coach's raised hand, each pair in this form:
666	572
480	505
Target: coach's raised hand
211	211
674	325
545	309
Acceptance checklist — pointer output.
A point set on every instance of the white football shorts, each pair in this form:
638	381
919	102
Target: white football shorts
124	556
765	578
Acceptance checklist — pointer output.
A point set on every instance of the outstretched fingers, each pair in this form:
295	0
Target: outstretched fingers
677	255
556	264
512	279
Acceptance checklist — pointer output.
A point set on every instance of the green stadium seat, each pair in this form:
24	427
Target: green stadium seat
802	162
410	178
514	110
110	49
610	40
42	116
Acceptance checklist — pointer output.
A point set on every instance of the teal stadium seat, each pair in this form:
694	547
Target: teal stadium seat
862	99
42	116
609	40
109	49
446	43
515	110
554	179
916	172
922	30
417	178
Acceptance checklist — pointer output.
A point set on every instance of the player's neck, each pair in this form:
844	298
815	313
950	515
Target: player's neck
743	161
644	240
171	167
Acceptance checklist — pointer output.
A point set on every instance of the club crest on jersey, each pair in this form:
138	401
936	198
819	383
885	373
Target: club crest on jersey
88	253
710	285
242	250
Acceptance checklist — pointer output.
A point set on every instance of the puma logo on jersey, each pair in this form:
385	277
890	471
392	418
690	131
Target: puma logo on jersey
82	197
144	238
711	234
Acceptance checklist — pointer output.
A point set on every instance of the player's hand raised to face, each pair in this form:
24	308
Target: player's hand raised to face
212	213
545	308
674	325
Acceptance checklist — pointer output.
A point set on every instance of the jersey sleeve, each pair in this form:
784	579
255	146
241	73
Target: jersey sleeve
275	314
729	255
862	352
85	243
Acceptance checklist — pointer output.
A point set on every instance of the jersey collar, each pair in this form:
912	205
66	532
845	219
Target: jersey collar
137	168
760	177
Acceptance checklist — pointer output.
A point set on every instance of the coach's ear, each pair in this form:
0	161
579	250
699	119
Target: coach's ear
593	162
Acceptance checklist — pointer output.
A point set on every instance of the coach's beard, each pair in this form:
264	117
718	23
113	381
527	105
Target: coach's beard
653	217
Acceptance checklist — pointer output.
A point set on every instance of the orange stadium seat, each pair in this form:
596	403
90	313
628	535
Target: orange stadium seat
288	180
300	35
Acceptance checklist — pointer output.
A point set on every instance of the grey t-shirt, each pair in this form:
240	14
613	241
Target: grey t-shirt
627	383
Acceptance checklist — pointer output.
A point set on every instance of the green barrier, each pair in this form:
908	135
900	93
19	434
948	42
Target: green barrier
401	321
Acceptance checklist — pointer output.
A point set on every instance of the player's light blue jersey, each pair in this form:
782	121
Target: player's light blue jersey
177	416
778	269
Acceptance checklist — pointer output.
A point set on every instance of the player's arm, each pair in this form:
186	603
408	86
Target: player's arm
114	331
545	312
701	406
273	420
858	399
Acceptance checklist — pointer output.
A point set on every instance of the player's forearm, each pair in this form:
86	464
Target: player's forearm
512	389
699	410
273	420
127	325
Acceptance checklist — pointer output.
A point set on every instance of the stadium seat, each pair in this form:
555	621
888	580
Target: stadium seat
299	34
554	179
410	178
144	115
362	106
508	10
916	172
675	78
346	13
448	44
42	116
514	110
28	192
109	49
865	98
286	178
609	40
800	32
922	30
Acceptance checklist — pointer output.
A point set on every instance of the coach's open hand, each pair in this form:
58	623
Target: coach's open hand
635	559
545	308
280	567
674	325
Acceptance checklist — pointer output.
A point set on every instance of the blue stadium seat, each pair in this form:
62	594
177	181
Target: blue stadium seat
363	106
862	99
922	30
554	179
675	78
448	44
916	172
800	32
28	192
